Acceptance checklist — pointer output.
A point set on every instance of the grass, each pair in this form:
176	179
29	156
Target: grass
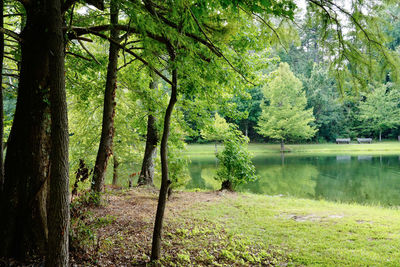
308	232
235	229
382	148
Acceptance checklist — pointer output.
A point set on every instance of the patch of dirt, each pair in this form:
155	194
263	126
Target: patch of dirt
311	217
119	233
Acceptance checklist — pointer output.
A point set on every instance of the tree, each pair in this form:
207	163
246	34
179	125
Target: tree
147	172
1	96
58	211
23	203
107	130
380	110
328	109
235	166
24	199
283	113
218	131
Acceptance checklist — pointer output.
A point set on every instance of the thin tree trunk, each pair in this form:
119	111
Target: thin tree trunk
380	135
165	182
227	185
107	132
115	169
282	146
58	216
23	211
147	172
1	96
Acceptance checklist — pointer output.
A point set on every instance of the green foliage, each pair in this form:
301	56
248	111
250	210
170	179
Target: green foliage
380	110
234	162
283	114
326	103
218	131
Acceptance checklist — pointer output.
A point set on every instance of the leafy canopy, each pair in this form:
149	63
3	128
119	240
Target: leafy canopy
284	114
380	110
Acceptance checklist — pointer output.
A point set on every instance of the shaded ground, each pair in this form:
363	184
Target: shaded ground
119	233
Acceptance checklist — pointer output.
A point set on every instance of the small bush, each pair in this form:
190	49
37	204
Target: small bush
235	166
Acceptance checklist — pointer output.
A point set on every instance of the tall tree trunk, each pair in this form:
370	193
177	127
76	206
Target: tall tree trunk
282	146
147	171
107	131
115	169
58	214
380	135
1	96
165	182
23	208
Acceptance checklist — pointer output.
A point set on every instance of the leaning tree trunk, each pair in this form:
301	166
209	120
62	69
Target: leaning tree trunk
1	96
58	214
107	131
147	171
23	210
165	182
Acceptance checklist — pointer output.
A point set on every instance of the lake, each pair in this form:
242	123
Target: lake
343	178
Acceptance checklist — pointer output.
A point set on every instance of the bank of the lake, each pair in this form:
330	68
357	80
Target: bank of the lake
377	148
311	232
236	229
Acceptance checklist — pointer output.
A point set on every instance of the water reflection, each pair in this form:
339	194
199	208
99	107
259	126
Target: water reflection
342	178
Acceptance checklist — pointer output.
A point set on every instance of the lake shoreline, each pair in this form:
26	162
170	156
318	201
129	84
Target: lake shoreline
378	148
365	177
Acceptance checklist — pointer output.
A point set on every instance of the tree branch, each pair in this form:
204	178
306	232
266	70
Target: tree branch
12	34
222	55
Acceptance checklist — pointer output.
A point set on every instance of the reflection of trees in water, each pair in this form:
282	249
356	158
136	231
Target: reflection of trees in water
202	174
363	179
290	179
195	173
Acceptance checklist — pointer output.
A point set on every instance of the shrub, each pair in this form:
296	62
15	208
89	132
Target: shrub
234	162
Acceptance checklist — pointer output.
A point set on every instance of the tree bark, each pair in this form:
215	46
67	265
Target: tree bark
147	172
107	131
165	182
58	216
1	97
282	146
380	135
115	169
23	204
227	185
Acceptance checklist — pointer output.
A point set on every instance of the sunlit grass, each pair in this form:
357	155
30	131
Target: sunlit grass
378	148
311	232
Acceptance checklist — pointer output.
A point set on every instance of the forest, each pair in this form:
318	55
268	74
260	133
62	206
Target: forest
106	100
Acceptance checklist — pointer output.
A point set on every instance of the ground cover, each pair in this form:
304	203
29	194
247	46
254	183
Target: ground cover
221	228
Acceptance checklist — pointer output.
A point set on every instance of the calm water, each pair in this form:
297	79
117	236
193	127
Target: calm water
361	179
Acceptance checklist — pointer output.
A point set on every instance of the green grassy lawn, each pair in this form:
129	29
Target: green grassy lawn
309	232
297	231
389	147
